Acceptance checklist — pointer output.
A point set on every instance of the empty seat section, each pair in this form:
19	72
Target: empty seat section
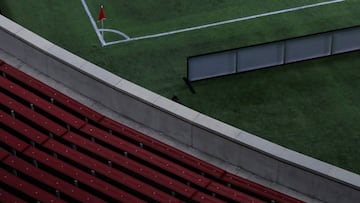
31	115
200	197
163	148
109	172
41	103
147	156
232	194
51	93
95	159
22	128
260	190
31	190
51	181
84	178
131	165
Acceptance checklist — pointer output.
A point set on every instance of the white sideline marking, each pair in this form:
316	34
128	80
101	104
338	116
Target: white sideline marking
103	43
128	39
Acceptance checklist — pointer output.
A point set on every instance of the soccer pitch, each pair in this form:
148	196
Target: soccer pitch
188	23
310	107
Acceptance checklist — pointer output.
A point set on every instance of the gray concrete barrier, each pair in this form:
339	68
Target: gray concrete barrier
273	162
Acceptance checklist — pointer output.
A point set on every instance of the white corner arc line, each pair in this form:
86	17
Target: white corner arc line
216	23
115	31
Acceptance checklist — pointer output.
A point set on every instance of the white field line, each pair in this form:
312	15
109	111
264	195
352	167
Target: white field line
128	39
93	23
115	31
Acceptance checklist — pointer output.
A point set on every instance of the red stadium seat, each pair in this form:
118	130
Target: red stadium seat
129	164
259	189
51	93
12	141
41	103
31	190
22	128
42	121
7	197
163	148
146	156
3	154
87	179
201	197
112	173
51	181
232	194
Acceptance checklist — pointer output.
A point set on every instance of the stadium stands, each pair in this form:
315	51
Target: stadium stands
54	149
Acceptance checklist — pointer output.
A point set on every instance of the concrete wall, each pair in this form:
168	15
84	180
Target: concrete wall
301	173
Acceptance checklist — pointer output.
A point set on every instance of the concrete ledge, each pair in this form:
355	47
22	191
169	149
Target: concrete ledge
144	93
278	164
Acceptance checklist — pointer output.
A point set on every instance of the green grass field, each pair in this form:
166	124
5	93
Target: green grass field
137	18
311	107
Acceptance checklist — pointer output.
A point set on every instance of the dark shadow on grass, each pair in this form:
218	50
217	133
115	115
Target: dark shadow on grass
4	9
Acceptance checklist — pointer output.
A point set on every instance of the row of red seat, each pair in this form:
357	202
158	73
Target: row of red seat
50	92
180	166
50	180
51	126
56	183
97	166
199	164
27	188
31	133
39	119
130	164
93	164
39	102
